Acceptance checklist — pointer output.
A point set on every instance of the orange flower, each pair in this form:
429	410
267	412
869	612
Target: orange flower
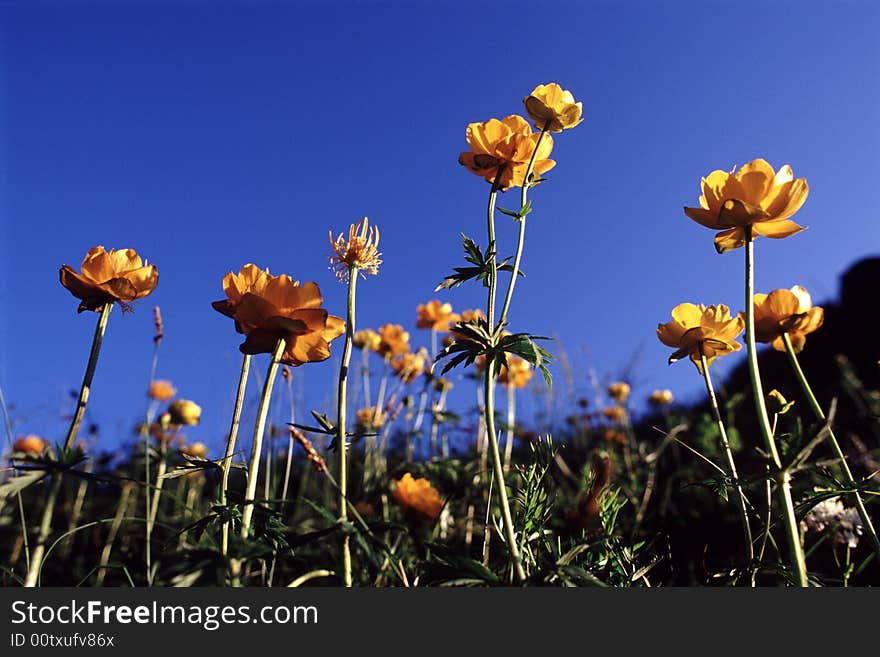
755	197
395	340
108	277
162	390
266	308
552	106
198	449
367	339
435	315
369	420
696	330
184	411
505	146
615	413
30	445
418	496
619	391
661	398
786	311
517	374
410	365
361	250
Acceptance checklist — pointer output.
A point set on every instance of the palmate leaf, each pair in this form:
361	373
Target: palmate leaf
524	346
482	265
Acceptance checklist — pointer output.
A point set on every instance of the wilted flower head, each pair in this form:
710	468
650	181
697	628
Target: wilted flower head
786	311
30	445
830	515
505	146
777	403
754	196
661	397
410	365
367	339
360	250
267	308
516	374
162	390
119	275
619	391
435	315
418	496
394	340
553	108
696	330
197	449
184	411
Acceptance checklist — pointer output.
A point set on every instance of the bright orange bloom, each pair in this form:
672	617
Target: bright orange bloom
198	449
108	277
786	311
162	390
516	374
410	365
418	496
506	146
552	106
661	397
435	315
361	250
619	391
31	444
266	308
696	330
395	340
367	339
756	197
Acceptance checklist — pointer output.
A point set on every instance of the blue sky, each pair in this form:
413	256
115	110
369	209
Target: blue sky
209	135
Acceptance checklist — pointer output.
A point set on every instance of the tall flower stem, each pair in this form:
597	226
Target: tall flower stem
782	476
847	473
226	465
341	440
741	498
522	232
259	431
489	392
511	421
83	399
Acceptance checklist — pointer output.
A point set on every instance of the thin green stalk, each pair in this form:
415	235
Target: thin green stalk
783	477
511	421
288	462
259	430
847	473
522	231
55	489
341	439
741	498
226	465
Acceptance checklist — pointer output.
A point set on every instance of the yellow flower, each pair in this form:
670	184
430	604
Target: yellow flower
418	496
506	146
250	279
756	197
410	365
162	390
119	275
435	315
696	330
361	250
552	106
517	374
395	340
30	445
184	411
661	397
786	311
279	307
367	339
198	449
619	391
777	403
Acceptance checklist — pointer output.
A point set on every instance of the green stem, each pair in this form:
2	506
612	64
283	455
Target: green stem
226	465
259	430
511	420
744	514
783	477
522	232
847	473
341	421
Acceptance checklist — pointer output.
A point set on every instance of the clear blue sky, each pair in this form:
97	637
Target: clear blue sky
211	134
